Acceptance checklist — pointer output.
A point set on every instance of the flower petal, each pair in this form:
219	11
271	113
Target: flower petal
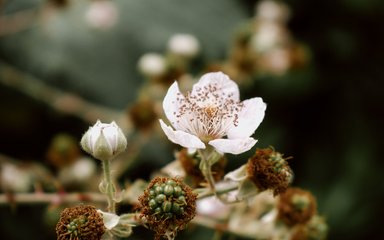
110	219
171	103
249	118
238	174
225	85
182	138
234	146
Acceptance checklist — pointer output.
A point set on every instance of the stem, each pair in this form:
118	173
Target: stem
110	186
206	170
217	192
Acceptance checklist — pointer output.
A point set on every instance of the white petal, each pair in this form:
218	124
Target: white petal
182	138
249	119
234	146
237	175
222	81
171	103
110	220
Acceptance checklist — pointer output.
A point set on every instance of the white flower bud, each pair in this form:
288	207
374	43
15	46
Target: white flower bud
152	64
104	141
13	178
274	11
102	14
184	44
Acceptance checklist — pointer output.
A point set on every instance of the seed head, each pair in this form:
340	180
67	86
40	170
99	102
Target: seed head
269	170
296	206
80	222
167	205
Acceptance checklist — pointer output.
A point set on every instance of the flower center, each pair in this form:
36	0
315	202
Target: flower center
207	112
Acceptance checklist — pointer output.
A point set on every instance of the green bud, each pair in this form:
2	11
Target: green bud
160	198
152	204
158	210
152	193
159	189
182	200
178	191
167	206
168	190
175	208
171	182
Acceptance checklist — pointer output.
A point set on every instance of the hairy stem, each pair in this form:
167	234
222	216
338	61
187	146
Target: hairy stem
110	186
205	168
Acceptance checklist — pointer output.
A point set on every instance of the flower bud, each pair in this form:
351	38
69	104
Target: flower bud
185	45
152	64
104	141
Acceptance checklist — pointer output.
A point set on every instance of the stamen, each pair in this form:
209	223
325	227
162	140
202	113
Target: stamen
208	112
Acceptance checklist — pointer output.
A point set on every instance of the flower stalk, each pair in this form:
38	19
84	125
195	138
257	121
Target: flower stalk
110	187
208	157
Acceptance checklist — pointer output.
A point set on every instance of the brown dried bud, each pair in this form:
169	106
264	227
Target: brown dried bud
80	222
269	170
63	150
143	114
296	206
316	229
167	205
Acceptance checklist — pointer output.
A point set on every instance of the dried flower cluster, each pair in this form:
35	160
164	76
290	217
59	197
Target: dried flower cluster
167	205
296	206
80	223
269	170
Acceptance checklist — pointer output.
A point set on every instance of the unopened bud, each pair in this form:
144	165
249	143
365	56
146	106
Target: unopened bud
185	45
104	141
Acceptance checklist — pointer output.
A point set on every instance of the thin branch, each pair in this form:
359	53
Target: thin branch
59	100
46	198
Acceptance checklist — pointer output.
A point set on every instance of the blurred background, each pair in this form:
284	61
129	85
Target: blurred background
64	64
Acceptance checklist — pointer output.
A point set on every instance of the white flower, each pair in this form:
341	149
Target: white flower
211	112
102	14
269	10
104	141
184	44
14	178
152	64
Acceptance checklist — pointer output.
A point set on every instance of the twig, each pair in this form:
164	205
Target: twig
59	100
46	198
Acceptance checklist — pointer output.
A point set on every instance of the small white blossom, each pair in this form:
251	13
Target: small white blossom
267	37
212	114
152	64
184	44
102	14
14	178
79	172
104	141
270	10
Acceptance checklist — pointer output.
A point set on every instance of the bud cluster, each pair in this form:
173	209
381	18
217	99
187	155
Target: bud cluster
296	206
80	222
167	205
268	169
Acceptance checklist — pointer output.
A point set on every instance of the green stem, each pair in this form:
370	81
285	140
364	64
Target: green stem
205	168
110	186
218	192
